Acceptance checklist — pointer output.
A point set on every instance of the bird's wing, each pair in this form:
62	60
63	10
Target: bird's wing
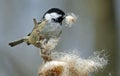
35	25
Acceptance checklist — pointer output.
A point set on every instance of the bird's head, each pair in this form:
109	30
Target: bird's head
54	15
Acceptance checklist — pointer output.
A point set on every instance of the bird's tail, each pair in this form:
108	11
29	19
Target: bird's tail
14	43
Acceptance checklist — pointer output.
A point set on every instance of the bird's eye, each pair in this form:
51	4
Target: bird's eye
54	19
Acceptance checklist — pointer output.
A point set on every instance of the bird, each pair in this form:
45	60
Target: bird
46	33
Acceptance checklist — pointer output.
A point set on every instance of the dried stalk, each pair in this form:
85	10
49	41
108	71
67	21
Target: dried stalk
40	44
68	64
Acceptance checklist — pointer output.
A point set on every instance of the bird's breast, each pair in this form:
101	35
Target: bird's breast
51	30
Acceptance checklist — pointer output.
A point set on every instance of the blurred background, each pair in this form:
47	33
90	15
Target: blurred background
97	28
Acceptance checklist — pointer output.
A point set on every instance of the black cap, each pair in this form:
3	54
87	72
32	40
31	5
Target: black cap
59	12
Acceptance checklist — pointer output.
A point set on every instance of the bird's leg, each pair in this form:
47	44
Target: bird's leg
41	39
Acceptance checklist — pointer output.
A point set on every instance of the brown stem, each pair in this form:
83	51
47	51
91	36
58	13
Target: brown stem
45	55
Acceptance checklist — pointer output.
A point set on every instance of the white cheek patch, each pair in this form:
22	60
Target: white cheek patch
50	16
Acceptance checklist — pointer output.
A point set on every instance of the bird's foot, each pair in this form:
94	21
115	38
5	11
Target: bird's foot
41	43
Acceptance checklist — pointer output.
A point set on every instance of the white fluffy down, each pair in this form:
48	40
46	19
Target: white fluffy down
70	19
76	66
